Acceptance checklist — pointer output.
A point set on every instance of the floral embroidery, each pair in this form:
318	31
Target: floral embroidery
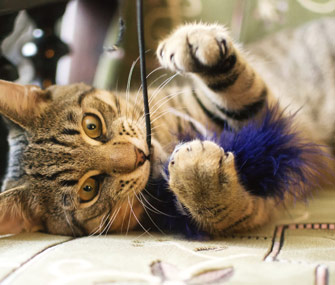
170	274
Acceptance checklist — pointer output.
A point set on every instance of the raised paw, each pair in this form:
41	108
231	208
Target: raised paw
197	48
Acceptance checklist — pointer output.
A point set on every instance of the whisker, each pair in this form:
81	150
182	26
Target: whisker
141	120
107	224
117	104
144	234
188	119
111	221
161	86
155	94
104	219
132	211
16	188
165	99
154	209
158	117
124	216
98	228
128	83
152	196
116	98
136	105
156	127
156	69
157	227
157	79
144	205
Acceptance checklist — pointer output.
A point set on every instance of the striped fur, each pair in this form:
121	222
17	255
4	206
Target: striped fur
51	155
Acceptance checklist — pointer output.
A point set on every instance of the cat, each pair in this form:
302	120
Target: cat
79	162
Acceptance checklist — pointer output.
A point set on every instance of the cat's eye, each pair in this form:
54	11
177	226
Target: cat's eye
92	126
88	190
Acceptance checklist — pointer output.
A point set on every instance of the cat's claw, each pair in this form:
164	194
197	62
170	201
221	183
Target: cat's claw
195	48
204	158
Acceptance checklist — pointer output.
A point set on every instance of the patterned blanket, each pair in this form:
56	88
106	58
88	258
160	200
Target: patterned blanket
298	247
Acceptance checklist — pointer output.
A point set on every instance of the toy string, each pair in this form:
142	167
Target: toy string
140	36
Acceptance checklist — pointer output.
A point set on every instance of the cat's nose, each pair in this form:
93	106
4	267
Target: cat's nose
140	157
122	157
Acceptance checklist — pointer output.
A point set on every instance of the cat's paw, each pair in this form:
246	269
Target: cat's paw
198	167
205	181
197	48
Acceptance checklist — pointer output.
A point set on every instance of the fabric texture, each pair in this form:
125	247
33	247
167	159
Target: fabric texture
297	247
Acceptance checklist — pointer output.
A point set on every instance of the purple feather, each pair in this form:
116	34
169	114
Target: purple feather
271	157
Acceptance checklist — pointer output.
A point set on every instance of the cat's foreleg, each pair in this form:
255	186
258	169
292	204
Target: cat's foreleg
225	83
204	178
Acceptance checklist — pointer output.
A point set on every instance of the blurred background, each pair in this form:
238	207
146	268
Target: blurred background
70	36
56	41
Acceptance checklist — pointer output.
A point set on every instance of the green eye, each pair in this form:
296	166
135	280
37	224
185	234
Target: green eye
92	126
88	190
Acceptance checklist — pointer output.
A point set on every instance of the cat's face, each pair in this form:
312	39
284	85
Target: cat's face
84	166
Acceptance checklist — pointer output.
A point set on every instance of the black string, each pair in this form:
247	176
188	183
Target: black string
140	36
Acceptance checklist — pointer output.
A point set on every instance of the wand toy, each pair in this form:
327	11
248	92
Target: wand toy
140	36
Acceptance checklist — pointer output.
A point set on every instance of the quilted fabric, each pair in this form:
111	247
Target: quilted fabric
298	247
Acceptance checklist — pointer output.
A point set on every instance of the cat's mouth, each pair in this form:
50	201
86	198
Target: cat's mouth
155	157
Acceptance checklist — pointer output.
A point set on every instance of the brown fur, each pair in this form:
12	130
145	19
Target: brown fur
52	155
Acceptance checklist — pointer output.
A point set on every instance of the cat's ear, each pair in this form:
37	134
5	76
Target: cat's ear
16	211
22	103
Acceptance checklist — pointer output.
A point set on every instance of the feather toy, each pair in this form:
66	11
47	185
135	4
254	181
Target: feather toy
271	159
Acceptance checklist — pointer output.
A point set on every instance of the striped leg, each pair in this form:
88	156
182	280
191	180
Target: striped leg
228	88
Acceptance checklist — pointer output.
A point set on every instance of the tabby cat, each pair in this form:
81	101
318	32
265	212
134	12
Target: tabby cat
79	162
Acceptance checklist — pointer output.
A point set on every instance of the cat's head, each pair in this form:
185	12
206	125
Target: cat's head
78	157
